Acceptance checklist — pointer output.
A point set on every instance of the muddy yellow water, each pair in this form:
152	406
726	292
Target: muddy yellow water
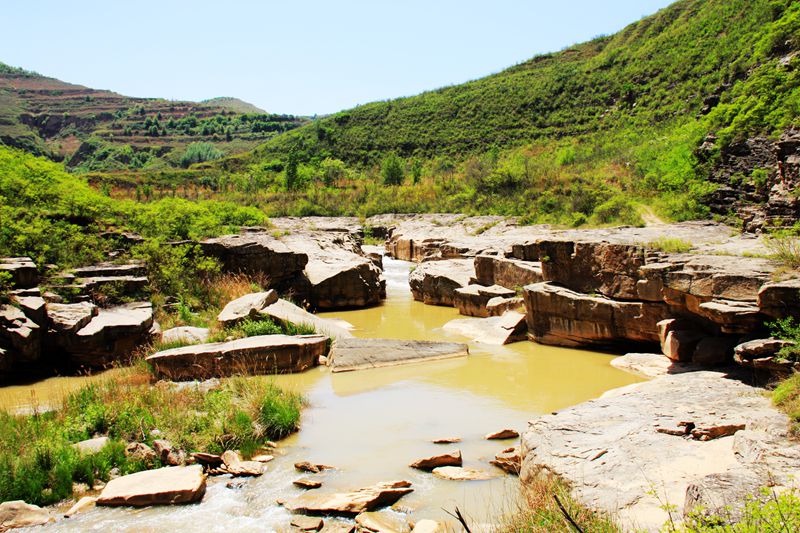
371	424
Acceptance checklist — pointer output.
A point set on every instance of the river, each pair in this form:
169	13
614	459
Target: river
371	424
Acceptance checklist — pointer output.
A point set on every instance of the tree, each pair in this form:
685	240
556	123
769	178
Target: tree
292	177
416	170
392	170
333	170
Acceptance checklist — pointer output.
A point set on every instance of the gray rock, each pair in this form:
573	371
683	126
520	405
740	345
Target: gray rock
91	446
359	354
497	330
284	312
185	334
435	282
506	272
473	300
248	306
257	253
23	271
350	503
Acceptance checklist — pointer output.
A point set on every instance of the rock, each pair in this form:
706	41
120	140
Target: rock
722	496
284	312
473	300
713	351
733	316
23	271
447	440
164	486
140	452
33	307
21	335
68	319
168	454
112	334
91	446
235	466
506	272
676	343
265	354
338	273
780	299
207	459
497	330
262	458
559	316
16	513
435	282
314	468
350	503
186	335
382	522
759	348
106	270
762	355
84	504
452	458
307	523
338	527
509	460
457	473
499	305
503	434
652	365
94	288
247	306
257	253
358	354
613	448
427	526
306	483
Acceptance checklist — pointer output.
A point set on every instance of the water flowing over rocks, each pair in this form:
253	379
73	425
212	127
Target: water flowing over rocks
164	486
264	354
663	435
350	503
359	354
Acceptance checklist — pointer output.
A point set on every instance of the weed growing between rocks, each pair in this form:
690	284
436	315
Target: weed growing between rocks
39	464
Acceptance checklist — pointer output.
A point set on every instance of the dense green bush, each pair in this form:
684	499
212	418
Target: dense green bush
199	153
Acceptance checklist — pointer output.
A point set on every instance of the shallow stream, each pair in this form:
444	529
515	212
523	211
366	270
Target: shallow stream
371	424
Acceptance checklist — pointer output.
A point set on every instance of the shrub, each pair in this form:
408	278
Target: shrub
200	152
392	170
665	244
785	248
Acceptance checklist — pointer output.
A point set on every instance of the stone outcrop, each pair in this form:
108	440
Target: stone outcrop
359	354
509	461
349	503
257	253
382	522
473	300
185	334
452	458
20	335
435	282
265	354
497	330
284	312
506	272
663	435
24	273
763	355
164	486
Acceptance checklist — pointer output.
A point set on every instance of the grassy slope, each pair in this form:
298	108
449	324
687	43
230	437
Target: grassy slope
558	137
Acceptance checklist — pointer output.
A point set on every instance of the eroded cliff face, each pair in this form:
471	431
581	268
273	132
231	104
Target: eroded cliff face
757	179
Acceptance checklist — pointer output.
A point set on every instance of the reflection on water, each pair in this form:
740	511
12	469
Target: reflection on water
371	424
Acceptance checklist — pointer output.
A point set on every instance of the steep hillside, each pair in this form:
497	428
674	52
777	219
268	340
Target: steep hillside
620	114
102	130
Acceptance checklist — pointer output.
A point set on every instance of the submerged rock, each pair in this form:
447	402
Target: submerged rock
314	468
350	503
164	486
359	354
458	473
306	483
264	354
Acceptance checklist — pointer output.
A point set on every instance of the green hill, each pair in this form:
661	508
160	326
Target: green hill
559	136
101	130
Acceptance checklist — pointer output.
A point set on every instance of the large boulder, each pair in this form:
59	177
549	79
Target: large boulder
435	282
350	503
264	354
164	486
110	334
257	253
360	354
563	317
498	330
21	335
284	312
17	513
248	306
23	271
672	431
507	272
780	299
473	300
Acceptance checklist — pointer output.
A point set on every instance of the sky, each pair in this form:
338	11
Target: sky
294	56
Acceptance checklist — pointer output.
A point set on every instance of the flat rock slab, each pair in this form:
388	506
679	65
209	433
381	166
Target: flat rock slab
284	311
263	354
350	503
163	486
495	330
185	334
458	473
616	450
360	354
652	365
17	513
247	306
382	522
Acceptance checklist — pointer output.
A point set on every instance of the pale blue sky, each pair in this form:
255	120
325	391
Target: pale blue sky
302	57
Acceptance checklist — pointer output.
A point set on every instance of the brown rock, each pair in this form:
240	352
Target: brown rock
435	282
265	354
509	273
23	271
473	300
780	299
382	522
84	504
168	454
306	466
509	460
452	458
307	523
207	459
140	452
447	440
164	486
256	253
248	306
457	473
496	330
234	465
350	503
306	483
503	434
16	513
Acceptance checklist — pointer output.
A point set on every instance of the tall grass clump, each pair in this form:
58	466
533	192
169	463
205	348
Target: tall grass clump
785	249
